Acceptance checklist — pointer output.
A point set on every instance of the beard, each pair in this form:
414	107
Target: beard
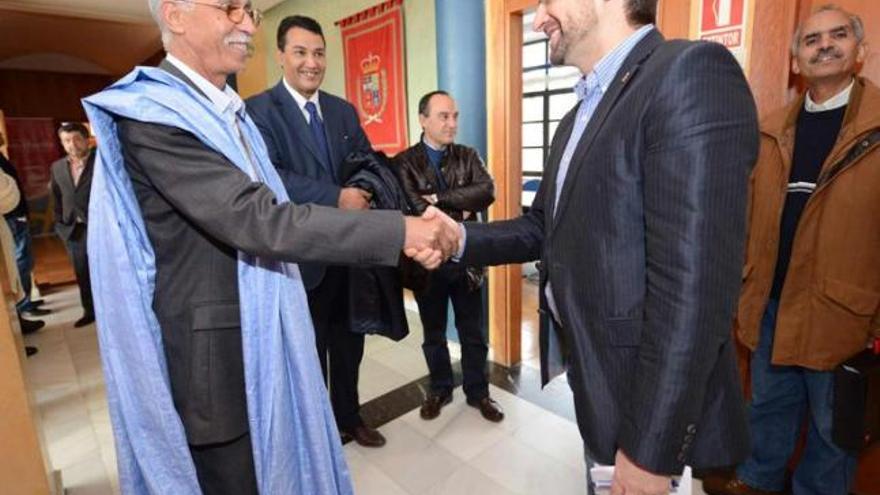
572	34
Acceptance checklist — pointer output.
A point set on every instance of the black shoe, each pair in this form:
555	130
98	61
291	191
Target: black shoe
85	320
30	326
30	350
488	408
35	311
432	405
366	436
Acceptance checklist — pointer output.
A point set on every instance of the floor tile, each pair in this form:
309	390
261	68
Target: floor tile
411	459
517	412
554	436
87	477
376	379
468	434
375	343
521	469
404	360
467	480
368	479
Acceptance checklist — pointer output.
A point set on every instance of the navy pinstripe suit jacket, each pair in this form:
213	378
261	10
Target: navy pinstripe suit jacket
645	256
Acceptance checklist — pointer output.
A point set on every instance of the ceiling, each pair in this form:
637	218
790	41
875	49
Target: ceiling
81	36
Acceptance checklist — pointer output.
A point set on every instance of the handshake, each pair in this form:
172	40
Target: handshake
432	238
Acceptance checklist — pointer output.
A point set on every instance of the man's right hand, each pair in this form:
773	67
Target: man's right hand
353	198
431	238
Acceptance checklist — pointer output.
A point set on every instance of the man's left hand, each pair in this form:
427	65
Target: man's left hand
352	198
630	479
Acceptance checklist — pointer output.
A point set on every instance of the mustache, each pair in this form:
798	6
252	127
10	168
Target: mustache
823	52
241	38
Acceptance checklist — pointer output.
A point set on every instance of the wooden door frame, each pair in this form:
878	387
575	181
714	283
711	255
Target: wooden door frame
504	109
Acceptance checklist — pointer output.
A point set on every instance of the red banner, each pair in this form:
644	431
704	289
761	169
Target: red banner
33	146
375	77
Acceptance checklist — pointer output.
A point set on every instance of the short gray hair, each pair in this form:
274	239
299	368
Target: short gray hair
155	11
855	22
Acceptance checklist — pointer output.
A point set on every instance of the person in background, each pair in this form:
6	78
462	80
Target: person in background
71	188
812	269
438	172
16	219
10	195
309	133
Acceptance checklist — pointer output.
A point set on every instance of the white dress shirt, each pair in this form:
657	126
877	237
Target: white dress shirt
302	100
836	101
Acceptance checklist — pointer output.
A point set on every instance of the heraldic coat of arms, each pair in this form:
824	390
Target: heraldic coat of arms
373	89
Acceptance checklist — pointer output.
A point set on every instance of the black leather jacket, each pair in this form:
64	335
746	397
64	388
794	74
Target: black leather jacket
470	189
470	186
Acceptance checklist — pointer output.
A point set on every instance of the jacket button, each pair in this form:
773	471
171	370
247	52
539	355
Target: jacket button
681	457
691	429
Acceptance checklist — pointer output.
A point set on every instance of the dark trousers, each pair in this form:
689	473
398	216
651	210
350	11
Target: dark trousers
23	258
76	248
226	468
339	349
447	283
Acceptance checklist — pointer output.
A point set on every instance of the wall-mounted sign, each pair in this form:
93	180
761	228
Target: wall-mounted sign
724	21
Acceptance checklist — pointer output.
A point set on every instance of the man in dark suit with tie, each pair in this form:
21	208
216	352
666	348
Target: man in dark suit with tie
308	134
639	225
71	185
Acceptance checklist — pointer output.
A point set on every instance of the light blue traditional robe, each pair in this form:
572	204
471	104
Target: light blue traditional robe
295	442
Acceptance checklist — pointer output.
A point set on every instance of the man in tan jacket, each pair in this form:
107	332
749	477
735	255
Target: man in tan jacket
811	281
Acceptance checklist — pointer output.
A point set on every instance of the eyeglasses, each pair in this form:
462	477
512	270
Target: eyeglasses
235	13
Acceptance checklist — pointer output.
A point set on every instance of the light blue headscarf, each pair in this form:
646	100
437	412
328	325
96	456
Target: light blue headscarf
295	442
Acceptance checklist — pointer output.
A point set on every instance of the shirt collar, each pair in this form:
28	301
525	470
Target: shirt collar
833	103
428	145
300	99
606	68
225	100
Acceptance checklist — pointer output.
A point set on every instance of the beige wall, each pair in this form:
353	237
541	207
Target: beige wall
421	45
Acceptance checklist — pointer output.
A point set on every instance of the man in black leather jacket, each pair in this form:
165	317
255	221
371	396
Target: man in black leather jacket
451	177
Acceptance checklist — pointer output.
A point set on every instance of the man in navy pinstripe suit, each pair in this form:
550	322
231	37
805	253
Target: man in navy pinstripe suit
639	224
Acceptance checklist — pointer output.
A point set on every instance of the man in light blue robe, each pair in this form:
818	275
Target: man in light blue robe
204	329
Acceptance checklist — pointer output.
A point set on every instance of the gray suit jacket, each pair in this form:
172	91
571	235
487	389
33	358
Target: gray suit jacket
645	256
199	211
71	201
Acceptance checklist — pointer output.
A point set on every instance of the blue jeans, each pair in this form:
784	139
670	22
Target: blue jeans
23	258
782	397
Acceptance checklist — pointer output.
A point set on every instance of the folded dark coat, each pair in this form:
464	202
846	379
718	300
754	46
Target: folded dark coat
376	294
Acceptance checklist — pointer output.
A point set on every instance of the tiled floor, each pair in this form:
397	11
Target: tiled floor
531	451
66	379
